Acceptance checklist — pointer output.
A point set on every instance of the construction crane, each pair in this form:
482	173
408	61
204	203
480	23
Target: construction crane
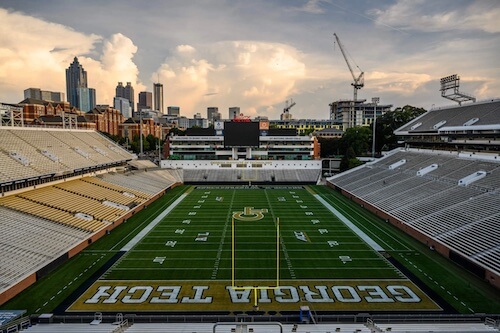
286	111
358	82
288	105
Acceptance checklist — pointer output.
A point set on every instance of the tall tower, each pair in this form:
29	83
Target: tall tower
213	114
145	101
129	94
158	96
126	92
76	77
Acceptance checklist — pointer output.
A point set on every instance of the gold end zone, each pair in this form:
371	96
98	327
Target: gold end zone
204	295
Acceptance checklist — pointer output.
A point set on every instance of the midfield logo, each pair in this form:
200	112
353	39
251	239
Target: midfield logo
250	214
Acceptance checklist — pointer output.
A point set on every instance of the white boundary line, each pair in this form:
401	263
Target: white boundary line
374	245
153	224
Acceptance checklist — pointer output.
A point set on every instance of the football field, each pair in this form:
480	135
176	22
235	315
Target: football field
225	248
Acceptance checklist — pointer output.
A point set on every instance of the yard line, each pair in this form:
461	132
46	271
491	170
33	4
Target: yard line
363	214
153	223
223	237
375	246
282	243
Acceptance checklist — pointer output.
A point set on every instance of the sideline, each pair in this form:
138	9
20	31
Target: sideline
153	223
374	245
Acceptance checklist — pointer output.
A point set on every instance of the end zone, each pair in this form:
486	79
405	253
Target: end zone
201	295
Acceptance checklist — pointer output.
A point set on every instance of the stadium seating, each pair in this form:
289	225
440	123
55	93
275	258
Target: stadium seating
245	175
27	153
150	182
28	242
486	113
461	217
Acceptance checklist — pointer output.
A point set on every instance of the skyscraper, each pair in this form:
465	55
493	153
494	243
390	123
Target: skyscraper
174	111
145	101
213	114
126	92
86	99
123	105
158	96
234	111
76	77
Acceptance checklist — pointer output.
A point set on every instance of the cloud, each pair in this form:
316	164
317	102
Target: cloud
398	82
422	15
35	53
312	7
115	64
249	74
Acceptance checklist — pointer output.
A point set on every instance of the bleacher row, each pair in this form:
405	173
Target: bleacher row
253	175
486	113
37	226
32	152
288	328
40	225
465	218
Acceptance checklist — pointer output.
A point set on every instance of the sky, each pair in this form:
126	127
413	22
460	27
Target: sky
255	54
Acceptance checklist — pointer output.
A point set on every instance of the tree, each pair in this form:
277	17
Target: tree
349	160
391	121
358	138
329	146
177	131
152	141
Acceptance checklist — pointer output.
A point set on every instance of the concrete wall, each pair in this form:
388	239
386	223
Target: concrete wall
243	164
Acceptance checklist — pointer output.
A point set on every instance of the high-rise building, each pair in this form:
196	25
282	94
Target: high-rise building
234	112
213	114
126	92
86	99
145	101
349	113
44	95
158	96
123	105
76	77
174	111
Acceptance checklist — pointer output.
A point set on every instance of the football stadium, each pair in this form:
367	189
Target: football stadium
96	240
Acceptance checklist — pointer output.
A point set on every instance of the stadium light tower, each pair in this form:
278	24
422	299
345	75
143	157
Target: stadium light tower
375	101
453	82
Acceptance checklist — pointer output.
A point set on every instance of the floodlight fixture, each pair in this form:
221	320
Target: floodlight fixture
453	82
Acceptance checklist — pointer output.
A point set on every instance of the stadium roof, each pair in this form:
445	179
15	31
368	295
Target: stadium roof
482	117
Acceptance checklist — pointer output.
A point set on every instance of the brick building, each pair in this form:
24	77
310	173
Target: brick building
107	119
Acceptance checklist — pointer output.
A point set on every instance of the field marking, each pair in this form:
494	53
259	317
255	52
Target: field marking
281	242
364	214
442	287
152	224
374	245
223	237
140	225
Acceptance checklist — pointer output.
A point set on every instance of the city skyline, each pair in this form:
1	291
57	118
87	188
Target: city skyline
255	55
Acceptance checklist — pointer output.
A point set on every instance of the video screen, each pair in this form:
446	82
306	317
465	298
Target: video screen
241	134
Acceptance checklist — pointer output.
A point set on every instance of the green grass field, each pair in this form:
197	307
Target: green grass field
198	247
196	254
